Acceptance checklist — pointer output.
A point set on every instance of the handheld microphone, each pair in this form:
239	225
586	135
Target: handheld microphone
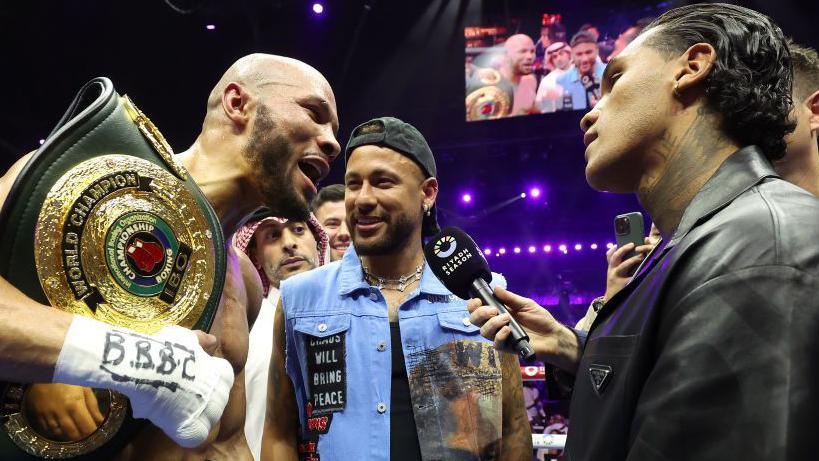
460	265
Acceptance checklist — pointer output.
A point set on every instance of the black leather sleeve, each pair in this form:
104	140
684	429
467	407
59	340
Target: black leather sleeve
736	371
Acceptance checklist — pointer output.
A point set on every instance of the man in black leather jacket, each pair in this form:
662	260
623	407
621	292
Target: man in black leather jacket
712	351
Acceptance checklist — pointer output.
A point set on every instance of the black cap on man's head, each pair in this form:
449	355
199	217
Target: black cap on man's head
404	139
583	37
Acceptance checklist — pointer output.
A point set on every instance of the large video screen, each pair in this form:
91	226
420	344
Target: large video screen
513	70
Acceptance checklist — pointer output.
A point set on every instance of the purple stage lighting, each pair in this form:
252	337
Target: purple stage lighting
523	195
466	198
534	192
42	141
210	27
547	248
318	8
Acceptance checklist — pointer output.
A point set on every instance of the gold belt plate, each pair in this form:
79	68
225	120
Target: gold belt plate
488	102
122	240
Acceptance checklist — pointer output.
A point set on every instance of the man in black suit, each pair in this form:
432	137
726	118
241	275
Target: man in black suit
711	351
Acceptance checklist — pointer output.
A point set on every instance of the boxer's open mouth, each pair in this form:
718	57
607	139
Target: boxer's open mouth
315	168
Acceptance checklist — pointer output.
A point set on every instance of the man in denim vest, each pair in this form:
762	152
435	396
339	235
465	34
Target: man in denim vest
375	359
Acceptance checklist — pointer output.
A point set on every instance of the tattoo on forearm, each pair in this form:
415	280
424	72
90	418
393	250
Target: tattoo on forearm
517	433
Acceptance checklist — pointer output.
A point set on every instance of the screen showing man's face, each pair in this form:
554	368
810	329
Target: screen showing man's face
584	55
521	54
562	58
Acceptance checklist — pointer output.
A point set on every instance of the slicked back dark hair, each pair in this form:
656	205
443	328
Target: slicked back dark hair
331	193
750	84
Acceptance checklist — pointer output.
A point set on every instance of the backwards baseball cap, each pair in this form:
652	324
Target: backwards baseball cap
406	140
583	37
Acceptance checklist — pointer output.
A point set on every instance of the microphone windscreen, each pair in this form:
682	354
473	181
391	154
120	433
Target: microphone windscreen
456	260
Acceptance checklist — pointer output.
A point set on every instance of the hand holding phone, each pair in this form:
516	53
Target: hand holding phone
628	228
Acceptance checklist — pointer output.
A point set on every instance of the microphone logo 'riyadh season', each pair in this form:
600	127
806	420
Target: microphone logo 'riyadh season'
455	261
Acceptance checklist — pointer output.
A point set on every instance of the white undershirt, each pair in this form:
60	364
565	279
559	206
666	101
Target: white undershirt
260	348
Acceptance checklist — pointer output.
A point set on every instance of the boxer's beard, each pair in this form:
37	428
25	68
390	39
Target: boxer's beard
273	161
399	231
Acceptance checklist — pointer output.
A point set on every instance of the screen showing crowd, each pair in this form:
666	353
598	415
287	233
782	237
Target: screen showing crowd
510	74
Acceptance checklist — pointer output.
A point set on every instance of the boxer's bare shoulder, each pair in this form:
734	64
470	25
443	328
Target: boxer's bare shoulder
11	175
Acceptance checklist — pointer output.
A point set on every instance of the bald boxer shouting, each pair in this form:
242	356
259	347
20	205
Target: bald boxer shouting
268	137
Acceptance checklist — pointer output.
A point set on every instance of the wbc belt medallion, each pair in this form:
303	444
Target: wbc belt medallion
133	247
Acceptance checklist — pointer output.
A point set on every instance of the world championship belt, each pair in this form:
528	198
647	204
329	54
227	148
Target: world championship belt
104	222
488	96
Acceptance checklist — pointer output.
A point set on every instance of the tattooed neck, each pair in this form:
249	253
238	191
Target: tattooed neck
678	166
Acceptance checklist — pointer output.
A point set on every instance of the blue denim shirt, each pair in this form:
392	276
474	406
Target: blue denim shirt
332	314
571	84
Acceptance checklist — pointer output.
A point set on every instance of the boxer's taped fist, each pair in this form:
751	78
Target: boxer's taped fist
168	377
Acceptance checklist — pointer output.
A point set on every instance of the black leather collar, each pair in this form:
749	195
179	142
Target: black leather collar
742	170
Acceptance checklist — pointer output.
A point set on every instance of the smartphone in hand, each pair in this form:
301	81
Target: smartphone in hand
628	228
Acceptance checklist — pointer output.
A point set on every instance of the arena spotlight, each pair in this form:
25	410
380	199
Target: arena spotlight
466	198
502	251
487	251
532	249
578	247
547	248
593	246
534	192
318	8
517	250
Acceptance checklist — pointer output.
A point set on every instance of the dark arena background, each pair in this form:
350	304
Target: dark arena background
516	184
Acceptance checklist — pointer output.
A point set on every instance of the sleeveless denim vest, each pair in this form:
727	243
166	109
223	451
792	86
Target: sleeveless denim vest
339	360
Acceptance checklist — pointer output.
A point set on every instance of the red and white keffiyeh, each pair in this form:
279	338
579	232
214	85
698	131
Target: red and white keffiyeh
243	237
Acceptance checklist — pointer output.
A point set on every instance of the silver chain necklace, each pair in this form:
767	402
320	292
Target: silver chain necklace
400	284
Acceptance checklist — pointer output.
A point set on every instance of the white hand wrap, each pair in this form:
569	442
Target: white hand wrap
168	377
